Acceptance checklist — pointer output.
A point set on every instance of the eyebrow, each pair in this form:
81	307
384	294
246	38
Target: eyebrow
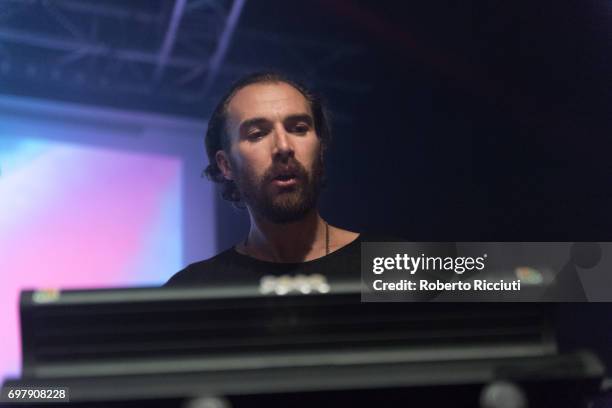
302	117
260	121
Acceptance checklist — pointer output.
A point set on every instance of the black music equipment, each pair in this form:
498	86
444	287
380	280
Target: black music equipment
163	347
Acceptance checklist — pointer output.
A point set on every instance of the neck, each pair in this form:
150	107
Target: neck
297	241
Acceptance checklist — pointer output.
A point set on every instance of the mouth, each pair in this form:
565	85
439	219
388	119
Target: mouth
284	180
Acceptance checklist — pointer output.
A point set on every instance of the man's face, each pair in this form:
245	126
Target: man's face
275	154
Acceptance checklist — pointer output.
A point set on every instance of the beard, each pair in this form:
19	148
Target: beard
281	205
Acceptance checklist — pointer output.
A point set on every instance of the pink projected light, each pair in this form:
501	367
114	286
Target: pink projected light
83	217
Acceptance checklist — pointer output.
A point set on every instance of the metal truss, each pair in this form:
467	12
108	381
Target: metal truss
176	50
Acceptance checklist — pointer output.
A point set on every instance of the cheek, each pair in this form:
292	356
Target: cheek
253	161
310	152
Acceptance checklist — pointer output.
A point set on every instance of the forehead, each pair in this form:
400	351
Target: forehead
267	100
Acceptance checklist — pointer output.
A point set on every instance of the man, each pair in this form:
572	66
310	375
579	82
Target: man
266	143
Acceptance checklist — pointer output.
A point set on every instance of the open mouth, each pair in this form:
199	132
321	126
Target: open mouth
285	177
284	180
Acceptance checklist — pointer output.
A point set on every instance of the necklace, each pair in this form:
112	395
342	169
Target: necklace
246	240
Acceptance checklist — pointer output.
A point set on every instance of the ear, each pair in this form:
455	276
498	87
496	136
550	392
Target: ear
224	164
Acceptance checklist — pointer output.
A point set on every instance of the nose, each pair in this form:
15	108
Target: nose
283	147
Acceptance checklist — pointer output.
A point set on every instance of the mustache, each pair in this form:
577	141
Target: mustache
291	167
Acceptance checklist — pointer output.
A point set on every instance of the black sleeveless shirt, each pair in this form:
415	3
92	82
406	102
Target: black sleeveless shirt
230	266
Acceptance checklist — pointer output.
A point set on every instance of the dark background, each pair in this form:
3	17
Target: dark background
453	120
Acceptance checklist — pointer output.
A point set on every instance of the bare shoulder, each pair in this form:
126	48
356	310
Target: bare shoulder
340	237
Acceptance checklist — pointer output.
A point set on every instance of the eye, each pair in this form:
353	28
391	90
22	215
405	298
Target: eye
255	134
300	128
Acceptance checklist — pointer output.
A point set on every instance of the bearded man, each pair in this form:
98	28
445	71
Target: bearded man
266	143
